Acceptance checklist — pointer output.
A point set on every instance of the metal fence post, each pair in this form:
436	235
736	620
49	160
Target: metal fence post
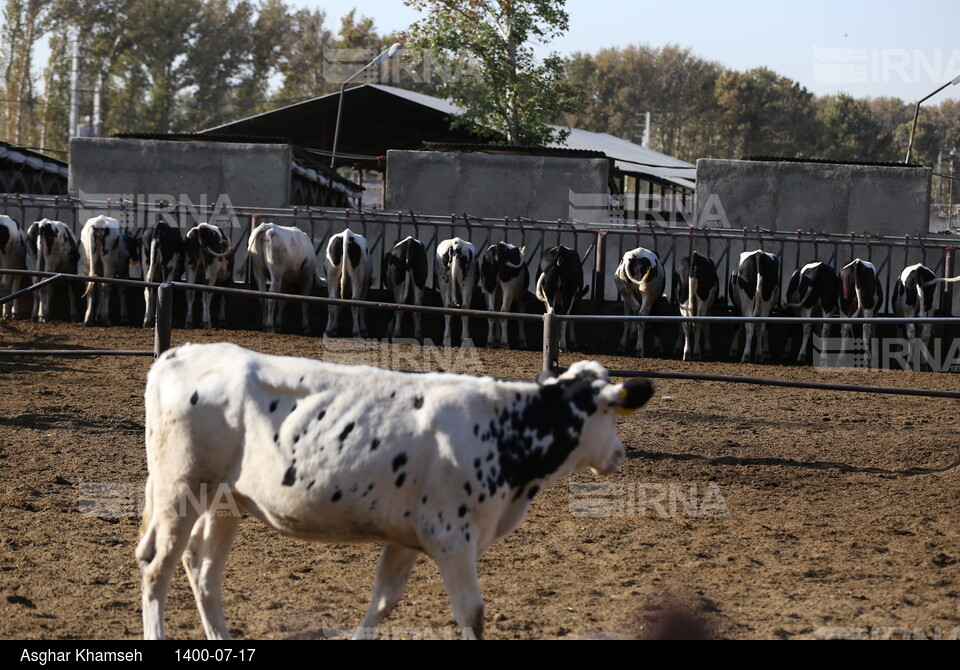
164	323
551	342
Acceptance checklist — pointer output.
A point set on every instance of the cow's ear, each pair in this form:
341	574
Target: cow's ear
628	397
544	376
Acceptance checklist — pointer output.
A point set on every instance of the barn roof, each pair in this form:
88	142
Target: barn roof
377	118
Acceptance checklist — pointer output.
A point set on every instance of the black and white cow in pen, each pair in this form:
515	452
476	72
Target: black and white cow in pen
15	254
208	254
560	287
107	248
404	273
504	277
755	290
161	257
440	464
860	295
56	250
282	256
455	276
349	270
812	292
695	286
913	296
640	280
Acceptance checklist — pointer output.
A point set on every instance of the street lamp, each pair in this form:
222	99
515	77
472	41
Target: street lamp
916	113
389	53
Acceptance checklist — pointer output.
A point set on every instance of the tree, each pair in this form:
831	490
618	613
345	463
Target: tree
512	94
850	132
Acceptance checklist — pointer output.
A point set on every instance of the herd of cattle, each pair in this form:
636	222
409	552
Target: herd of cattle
282	259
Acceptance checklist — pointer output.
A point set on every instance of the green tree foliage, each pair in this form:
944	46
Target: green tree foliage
513	93
849	131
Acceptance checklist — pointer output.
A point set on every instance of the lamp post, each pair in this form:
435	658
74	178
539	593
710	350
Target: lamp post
389	53
916	113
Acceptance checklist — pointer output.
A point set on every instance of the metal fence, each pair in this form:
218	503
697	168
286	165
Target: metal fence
551	330
600	246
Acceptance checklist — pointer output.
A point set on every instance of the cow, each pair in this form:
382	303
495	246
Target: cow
455	275
913	298
695	286
161	257
560	286
640	280
283	255
15	254
754	291
435	463
106	253
349	271
208	255
860	295
504	277
56	250
404	273
812	291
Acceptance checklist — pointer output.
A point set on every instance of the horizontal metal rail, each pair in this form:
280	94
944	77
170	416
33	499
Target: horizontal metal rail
31	288
788	383
779	320
74	352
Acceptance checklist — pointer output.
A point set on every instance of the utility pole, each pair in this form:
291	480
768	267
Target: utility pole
74	80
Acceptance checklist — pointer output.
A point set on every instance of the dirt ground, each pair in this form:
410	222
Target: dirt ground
741	512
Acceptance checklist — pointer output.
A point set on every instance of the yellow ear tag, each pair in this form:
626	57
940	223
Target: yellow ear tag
624	410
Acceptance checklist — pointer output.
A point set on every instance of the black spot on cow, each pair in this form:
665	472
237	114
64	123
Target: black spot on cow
171	354
296	438
374	444
276	437
477	462
310	485
418	402
194	398
476	429
462	511
399	461
468	488
290	476
346	431
301	380
481	497
369	488
440	515
534	490
479	475
468	537
423	500
294	407
489	456
322	414
353	489
393	394
407	513
449	527
273	405
336	496
402	476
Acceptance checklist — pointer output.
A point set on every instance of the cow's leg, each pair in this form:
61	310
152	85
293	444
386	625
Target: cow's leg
630	308
305	289
122	297
734	348
88	316
396	562
925	331
707	347
272	311
763	342
447	335
748	329
521	335
824	333
646	307
150	303
805	343
417	316
12	305
333	311
222	299
459	572
167	533
206	300
491	307
868	337
204	560
104	306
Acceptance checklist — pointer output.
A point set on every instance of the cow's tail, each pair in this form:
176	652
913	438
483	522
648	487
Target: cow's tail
154	270
803	299
99	248
454	273
940	280
345	262
405	266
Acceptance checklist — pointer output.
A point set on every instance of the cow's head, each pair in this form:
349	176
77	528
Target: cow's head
595	403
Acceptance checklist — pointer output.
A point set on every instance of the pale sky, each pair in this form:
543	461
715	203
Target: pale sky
875	48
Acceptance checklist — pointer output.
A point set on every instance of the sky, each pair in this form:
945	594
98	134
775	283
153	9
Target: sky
866	49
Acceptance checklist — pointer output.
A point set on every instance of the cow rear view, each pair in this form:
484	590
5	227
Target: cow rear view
282	256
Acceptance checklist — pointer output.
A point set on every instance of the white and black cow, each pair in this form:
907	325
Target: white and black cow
913	298
455	275
504	277
284	257
404	273
208	259
695	286
860	295
106	248
640	280
56	250
439	464
560	286
755	290
349	271
161	257
812	292
15	254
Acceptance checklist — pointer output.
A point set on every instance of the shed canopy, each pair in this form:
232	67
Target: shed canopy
378	118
